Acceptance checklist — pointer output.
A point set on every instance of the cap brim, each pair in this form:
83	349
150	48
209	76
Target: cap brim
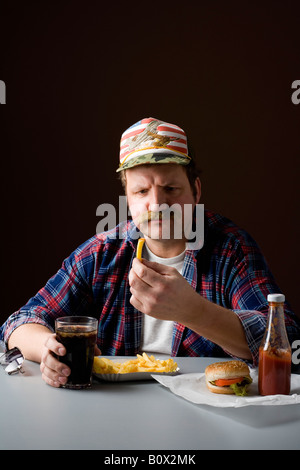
154	158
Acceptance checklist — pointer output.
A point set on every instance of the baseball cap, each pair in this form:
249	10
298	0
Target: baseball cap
153	141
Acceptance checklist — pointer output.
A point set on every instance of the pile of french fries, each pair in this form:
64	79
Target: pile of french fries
142	363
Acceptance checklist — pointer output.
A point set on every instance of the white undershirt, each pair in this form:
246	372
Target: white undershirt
157	334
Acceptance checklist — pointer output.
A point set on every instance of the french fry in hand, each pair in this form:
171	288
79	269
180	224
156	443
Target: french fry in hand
142	363
140	248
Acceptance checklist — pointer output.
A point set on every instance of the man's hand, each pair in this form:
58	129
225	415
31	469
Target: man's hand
160	291
38	343
54	373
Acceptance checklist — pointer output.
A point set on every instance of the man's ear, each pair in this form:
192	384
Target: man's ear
198	189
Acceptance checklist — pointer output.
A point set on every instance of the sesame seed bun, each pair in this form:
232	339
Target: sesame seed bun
225	370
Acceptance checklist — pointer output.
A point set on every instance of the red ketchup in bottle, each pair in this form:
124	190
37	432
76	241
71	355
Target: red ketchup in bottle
275	358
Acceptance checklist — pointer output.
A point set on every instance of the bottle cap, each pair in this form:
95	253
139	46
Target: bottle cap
276	298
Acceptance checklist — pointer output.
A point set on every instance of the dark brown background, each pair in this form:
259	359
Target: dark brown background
79	73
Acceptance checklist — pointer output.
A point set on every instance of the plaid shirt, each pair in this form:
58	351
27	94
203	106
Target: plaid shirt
229	270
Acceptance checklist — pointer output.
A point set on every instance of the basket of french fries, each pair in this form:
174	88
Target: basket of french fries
140	368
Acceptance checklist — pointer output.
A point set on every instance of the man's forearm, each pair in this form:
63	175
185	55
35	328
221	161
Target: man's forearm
30	338
219	325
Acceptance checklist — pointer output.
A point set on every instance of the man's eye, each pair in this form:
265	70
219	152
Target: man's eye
142	191
170	188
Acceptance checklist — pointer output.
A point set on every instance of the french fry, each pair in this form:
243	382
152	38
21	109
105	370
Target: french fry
102	365
142	363
140	248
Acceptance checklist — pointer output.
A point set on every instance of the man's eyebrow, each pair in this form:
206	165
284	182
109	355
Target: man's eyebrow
139	185
171	183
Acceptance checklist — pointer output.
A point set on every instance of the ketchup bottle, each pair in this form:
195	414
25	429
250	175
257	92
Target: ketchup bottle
275	356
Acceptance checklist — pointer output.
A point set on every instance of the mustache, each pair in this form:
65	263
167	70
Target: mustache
165	214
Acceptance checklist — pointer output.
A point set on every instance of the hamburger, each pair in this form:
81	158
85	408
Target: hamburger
230	377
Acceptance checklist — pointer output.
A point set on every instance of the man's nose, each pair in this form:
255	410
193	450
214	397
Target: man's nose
157	200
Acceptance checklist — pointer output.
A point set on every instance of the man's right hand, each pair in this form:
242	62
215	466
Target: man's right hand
54	373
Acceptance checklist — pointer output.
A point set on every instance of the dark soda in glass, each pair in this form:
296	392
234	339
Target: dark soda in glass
78	335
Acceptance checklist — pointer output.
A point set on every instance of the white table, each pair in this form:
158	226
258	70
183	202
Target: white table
134	415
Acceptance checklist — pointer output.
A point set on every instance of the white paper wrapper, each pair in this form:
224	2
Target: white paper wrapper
193	388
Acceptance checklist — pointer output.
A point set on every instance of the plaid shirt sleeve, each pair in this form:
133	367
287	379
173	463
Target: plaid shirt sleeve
251	284
242	280
68	292
93	281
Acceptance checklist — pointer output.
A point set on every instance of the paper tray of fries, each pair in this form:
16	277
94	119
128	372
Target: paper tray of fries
140	368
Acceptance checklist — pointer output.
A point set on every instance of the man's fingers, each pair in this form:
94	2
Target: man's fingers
54	372
144	266
53	345
136	303
149	272
52	377
157	267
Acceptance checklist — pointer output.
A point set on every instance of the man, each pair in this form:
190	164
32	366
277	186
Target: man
180	299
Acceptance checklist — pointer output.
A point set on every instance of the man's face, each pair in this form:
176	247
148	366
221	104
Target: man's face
158	197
